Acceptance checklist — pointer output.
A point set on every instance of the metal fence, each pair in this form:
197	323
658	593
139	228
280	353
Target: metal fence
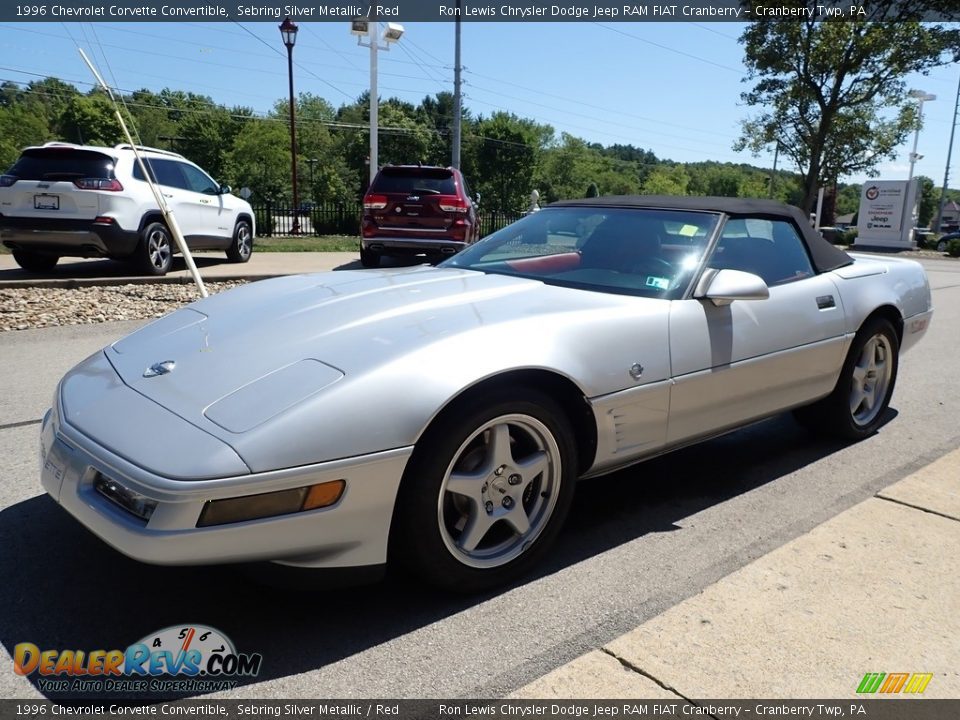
343	218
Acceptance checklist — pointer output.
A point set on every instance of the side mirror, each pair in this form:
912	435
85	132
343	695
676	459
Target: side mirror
722	287
225	189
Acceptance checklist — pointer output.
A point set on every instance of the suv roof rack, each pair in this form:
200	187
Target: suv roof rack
60	143
144	148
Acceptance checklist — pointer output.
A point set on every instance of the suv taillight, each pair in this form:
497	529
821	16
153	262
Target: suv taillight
98	184
452	203
374	202
8	180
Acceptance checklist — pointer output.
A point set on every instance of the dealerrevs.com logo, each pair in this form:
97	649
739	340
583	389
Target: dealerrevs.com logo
180	658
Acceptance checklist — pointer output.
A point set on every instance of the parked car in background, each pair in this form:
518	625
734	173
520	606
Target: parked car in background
439	417
417	210
61	200
943	244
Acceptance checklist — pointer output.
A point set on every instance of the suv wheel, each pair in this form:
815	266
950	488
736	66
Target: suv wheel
368	258
241	248
34	261
155	254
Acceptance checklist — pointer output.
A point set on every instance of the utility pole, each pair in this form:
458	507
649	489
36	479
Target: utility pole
455	141
946	172
773	175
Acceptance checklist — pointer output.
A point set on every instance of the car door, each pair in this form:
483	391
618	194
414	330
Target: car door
168	176
750	358
214	217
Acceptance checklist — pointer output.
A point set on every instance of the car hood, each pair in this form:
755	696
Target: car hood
369	343
343	322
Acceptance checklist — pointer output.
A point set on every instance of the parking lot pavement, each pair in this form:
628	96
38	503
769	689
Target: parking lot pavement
637	543
212	266
873	589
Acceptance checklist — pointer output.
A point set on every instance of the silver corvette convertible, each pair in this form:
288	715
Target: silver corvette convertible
439	417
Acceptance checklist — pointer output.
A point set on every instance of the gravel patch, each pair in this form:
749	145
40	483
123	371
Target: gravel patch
28	308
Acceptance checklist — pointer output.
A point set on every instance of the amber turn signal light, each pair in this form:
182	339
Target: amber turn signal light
281	502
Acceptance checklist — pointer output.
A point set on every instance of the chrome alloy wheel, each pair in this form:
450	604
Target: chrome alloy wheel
871	379
499	491
244	241
158	249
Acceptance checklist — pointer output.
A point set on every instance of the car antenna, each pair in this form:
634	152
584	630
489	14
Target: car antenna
157	195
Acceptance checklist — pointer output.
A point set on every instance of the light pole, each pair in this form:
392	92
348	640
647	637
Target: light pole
946	172
392	33
288	31
921	97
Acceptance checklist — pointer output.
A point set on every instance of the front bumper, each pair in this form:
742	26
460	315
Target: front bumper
914	328
353	532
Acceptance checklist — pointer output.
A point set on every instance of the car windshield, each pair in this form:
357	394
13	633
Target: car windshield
431	181
632	251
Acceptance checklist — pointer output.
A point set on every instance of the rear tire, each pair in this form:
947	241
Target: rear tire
155	252
486	490
855	408
369	258
34	261
241	248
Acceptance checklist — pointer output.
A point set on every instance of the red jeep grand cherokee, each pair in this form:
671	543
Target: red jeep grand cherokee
414	209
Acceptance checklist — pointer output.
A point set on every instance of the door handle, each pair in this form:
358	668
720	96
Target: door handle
167	195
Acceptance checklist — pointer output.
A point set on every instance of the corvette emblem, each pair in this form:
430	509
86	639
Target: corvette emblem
160	368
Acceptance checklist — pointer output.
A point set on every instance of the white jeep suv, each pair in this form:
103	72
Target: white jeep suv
61	199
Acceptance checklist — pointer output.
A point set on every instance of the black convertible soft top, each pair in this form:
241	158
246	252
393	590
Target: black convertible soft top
825	257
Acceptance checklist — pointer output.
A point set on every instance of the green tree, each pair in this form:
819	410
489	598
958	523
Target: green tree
508	148
667	180
928	201
848	198
260	160
208	135
824	87
90	120
19	128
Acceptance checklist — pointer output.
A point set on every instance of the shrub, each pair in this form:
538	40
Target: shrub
847	236
953	249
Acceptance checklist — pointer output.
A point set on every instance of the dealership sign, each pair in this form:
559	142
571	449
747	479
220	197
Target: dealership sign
887	213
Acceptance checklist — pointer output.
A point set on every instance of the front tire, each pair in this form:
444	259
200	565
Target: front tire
855	408
241	248
486	491
155	253
34	261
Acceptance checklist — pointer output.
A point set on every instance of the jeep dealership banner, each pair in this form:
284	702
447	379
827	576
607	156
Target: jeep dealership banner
887	213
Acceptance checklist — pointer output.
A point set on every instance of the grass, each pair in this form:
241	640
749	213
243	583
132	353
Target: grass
309	243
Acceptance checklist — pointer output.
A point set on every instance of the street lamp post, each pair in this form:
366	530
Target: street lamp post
288	31
921	97
311	162
392	33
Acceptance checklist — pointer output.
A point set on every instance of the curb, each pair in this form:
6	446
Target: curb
72	283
